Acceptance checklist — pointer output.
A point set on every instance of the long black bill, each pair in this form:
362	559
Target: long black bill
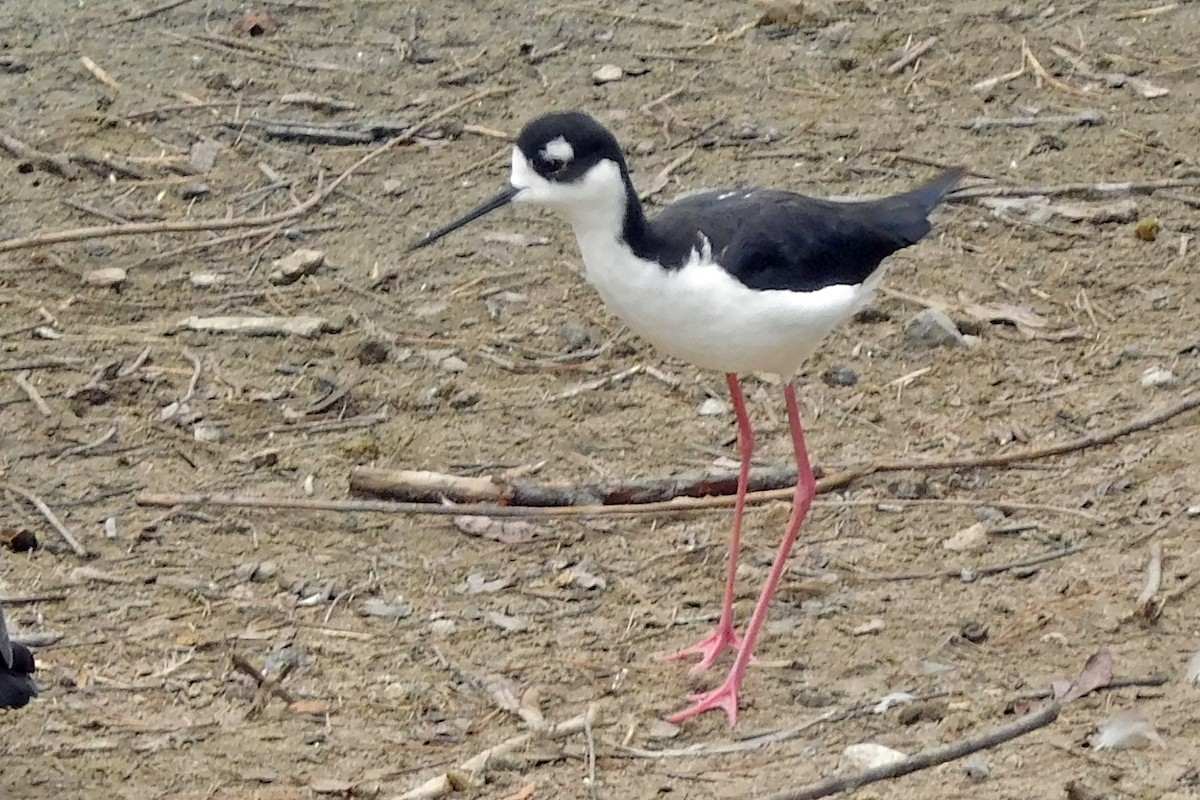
499	201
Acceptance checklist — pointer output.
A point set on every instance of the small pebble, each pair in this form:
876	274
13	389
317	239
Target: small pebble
969	540
661	729
867	755
576	336
933	328
203	280
105	277
839	375
292	268
464	399
713	407
443	627
373	351
607	74
976	767
393	187
1158	378
453	364
195	191
374	607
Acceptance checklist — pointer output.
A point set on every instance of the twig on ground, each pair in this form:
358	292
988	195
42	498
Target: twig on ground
974	574
1145	605
1160	679
78	449
150	12
265	685
51	517
836	481
911	55
192	226
930	758
59	165
1086	191
461	777
1084	119
21	379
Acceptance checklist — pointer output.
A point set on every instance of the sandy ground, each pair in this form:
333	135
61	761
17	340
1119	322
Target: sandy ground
455	360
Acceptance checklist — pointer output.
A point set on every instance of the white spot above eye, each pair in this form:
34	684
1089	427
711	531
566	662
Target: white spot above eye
558	150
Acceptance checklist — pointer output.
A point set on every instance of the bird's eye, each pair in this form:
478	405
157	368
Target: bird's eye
550	167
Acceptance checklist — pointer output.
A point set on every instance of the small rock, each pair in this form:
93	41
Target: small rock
660	729
974	632
929	711
839	375
375	607
1193	511
933	328
1158	378
874	625
427	397
576	336
607	74
506	622
245	572
976	767
443	627
373	351
292	268
266	571
867	755
969	540
453	364
105	277
194	191
464	398
204	280
207	432
713	407
394	188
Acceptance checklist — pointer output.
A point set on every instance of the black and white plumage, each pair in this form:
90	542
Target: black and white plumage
736	280
17	687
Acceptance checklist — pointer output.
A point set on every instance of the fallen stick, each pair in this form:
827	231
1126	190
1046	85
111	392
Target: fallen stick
1087	191
1086	118
461	777
51	517
193	226
911	56
930	758
969	575
59	165
709	491
432	487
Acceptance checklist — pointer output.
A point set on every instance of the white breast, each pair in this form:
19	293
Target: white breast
701	314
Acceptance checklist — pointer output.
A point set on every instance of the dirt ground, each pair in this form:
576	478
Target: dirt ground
455	360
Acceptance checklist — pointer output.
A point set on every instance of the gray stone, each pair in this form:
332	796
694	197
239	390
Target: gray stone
933	328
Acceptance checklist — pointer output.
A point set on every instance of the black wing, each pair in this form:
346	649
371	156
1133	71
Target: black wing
16	671
782	240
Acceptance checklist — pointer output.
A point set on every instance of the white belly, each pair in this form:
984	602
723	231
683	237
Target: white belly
702	315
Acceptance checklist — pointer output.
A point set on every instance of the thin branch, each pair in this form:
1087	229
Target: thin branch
837	481
192	226
52	518
930	758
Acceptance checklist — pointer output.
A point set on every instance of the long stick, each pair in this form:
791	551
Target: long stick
930	758
192	226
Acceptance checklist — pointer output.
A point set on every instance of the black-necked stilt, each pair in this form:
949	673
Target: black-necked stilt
16	671
731	280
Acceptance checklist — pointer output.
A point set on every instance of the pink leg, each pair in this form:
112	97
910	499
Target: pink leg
710	649
725	696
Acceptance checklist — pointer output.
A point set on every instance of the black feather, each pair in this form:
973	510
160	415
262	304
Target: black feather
16	671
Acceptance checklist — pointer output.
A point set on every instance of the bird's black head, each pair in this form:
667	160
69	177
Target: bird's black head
566	161
563	146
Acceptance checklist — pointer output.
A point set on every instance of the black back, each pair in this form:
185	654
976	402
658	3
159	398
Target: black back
766	239
781	240
16	671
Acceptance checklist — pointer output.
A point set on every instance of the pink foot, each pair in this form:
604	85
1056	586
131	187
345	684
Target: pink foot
709	649
724	697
